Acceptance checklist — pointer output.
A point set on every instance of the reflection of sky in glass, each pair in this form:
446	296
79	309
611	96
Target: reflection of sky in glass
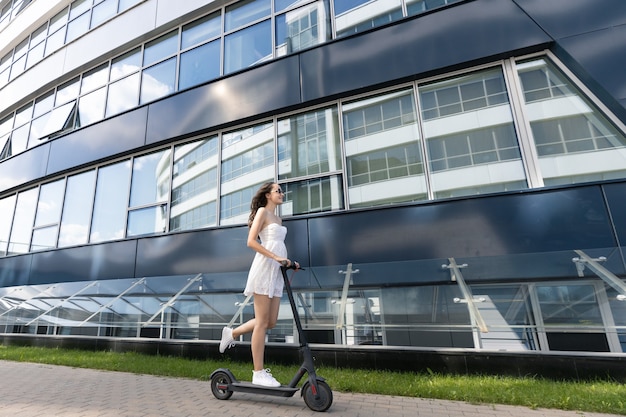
125	65
91	107
123	95
94	79
23	221
248	47
146	172
7	205
158	81
202	30
77	209
160	48
67	93
49	205
110	204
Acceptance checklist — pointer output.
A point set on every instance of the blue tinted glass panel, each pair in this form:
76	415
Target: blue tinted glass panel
146	221
79	193
91	107
199	65
248	47
123	95
201	30
245	12
158	81
109	213
22	229
126	64
160	48
150	179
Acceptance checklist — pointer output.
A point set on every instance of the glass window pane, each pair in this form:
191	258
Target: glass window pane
91	107
247	162
123	95
126	64
19	242
244	12
19	139
77	27
312	196
150	183
384	161
127	4
471	142
79	194
574	141
49	204
7	207
359	15
158	81
44	238
66	92
103	11
23	115
58	21
302	28
160	48
201	30
248	47
35	55
194	185
309	144
43	104
79	6
109	212
55	41
199	65
94	78
146	221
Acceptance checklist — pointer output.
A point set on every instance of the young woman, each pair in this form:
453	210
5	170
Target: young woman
264	279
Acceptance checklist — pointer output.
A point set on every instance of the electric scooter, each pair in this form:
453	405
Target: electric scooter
315	391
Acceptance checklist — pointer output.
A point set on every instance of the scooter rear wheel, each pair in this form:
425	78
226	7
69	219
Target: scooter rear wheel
325	399
219	385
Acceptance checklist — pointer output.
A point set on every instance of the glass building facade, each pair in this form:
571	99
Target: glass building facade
463	190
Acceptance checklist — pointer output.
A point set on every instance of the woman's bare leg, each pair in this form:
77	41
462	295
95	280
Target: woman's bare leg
265	316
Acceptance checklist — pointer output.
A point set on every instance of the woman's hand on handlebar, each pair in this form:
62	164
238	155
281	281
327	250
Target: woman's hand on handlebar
287	263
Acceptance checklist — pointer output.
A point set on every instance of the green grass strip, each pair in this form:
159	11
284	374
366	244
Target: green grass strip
600	396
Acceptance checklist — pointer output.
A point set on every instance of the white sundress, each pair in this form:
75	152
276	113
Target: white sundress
265	277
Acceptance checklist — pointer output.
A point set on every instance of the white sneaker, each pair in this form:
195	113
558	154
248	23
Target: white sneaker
263	377
227	339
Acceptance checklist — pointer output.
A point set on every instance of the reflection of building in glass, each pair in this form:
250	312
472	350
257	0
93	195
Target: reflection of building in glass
453	170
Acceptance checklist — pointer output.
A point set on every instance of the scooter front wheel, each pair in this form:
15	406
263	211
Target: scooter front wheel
219	385
325	399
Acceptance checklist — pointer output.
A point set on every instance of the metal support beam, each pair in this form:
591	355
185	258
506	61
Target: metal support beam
110	303
62	302
173	299
344	294
455	275
583	260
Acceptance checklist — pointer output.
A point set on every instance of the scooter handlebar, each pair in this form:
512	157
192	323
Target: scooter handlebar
292	265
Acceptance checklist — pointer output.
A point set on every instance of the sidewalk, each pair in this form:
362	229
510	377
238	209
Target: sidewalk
33	390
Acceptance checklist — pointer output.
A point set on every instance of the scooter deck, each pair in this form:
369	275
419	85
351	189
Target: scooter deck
282	391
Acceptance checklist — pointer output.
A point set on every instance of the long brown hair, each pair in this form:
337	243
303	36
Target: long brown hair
259	200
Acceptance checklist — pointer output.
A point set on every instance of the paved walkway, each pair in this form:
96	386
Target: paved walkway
33	390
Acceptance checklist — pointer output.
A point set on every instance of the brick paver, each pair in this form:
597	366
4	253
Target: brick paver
34	390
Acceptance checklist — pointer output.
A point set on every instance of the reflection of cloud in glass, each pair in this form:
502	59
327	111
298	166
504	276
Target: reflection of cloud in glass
73	234
118	71
123	95
91	108
152	88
